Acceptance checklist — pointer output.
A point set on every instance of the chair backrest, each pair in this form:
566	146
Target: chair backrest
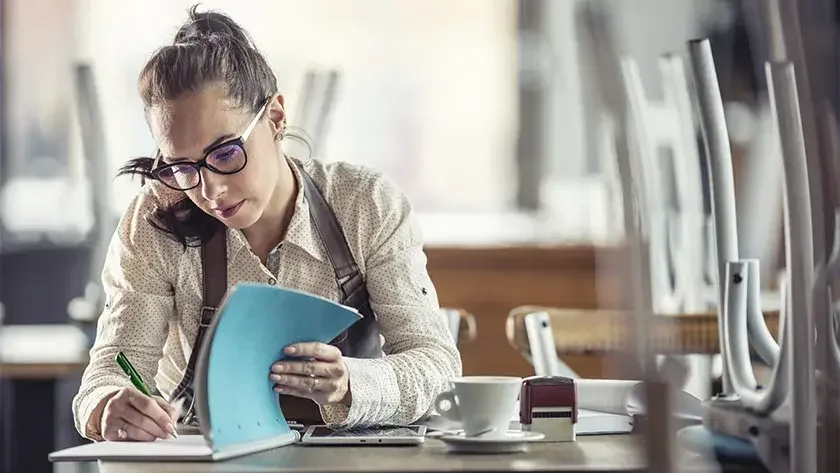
453	318
594	332
461	325
543	348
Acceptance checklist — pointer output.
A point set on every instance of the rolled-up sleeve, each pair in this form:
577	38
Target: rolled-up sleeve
139	304
421	356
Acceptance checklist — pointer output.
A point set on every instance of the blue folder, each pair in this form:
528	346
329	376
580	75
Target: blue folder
238	410
235	402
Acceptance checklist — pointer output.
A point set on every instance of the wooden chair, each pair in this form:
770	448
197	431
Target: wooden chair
602	333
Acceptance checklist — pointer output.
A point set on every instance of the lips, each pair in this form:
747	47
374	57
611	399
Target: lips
228	212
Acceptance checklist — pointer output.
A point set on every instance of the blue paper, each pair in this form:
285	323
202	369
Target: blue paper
255	324
699	439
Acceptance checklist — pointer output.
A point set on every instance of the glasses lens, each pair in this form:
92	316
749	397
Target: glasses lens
179	176
227	159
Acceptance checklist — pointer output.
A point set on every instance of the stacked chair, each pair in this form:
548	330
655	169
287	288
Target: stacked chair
694	295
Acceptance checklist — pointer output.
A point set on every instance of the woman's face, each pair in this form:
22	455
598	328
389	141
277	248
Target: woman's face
188	126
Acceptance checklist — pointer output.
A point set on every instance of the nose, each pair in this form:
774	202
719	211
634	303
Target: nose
212	185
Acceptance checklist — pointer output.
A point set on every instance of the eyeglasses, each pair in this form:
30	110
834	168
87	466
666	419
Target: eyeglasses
228	157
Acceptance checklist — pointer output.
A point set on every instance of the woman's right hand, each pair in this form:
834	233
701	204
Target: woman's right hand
131	415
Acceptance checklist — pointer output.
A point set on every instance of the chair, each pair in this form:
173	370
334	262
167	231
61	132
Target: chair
677	236
461	325
544	357
605	332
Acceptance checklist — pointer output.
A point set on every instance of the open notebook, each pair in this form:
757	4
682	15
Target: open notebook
618	406
238	409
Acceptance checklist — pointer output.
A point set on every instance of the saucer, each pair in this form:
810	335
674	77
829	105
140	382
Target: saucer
511	441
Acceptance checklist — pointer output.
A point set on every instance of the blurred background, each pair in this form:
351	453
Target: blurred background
505	121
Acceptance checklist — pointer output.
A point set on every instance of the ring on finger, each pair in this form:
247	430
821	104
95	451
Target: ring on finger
121	433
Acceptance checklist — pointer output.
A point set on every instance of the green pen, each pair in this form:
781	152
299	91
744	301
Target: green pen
132	373
135	377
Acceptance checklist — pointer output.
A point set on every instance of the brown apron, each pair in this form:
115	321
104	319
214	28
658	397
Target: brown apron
361	340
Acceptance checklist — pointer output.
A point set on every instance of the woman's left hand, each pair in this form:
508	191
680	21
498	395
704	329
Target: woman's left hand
322	376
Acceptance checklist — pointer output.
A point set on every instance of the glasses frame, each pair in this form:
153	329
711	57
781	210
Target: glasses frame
239	141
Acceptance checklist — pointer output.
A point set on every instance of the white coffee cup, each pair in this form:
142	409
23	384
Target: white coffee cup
482	404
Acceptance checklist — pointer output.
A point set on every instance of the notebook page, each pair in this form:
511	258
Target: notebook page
602	423
185	447
683	404
605	395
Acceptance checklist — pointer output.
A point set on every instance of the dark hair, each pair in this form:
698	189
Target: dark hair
208	50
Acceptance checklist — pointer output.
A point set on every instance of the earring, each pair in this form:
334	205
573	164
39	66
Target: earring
282	133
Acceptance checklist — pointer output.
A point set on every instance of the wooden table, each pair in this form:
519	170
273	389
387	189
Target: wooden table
33	359
618	453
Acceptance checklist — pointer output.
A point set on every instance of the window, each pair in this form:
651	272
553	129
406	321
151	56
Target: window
427	88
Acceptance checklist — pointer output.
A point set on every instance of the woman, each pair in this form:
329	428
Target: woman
220	175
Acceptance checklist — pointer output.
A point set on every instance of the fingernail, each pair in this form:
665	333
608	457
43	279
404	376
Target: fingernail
170	428
279	368
275	378
290	350
278	390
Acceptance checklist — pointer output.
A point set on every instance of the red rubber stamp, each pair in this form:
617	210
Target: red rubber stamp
548	404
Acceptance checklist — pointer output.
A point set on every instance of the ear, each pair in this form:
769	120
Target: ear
277	114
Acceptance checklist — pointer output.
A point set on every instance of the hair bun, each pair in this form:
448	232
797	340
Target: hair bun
206	26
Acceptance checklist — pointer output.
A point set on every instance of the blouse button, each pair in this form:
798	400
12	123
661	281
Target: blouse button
272	281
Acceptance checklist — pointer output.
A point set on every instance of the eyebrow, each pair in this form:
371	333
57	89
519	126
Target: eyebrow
216	142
